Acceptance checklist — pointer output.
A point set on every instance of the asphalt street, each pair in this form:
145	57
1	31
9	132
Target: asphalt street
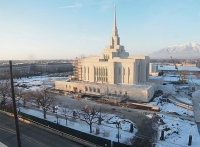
30	136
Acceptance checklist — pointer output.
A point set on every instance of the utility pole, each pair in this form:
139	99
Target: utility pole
14	106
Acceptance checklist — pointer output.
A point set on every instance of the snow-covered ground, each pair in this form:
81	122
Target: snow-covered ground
177	130
179	92
184	99
170	107
36	82
106	126
177	134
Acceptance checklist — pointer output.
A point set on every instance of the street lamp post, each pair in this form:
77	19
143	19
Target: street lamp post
57	117
56	108
66	116
66	119
118	125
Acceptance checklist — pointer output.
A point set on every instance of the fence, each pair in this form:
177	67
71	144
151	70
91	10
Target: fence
67	130
116	144
10	110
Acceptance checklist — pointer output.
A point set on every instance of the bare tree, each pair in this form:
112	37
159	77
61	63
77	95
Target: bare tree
89	115
44	98
67	112
25	98
4	90
4	87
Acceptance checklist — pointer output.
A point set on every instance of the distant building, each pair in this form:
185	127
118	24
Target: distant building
187	64
172	68
169	67
52	67
20	70
114	72
155	76
153	68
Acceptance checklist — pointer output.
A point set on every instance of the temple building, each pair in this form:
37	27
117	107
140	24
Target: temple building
114	73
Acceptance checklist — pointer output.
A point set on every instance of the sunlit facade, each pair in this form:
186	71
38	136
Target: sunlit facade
112	68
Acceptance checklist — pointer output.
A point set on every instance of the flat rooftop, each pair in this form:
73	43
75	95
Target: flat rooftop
141	86
180	68
155	77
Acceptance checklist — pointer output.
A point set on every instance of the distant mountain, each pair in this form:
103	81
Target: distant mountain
190	50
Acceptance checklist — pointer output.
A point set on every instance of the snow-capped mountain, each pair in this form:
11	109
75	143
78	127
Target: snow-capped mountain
190	50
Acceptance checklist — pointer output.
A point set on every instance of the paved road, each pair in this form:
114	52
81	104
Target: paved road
30	136
78	104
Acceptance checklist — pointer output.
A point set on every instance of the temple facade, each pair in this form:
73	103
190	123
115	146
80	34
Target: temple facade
114	72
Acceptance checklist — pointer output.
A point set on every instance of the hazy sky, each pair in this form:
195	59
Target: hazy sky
64	29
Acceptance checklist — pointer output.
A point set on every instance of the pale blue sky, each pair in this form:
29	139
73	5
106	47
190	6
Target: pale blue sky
64	29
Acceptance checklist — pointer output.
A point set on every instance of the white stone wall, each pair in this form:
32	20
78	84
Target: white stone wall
153	68
140	92
157	79
123	71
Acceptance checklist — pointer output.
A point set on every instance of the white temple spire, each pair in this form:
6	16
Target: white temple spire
114	31
114	39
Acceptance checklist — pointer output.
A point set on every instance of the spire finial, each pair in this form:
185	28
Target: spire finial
115	23
115	40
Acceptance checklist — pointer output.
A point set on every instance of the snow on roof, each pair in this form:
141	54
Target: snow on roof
180	68
155	77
